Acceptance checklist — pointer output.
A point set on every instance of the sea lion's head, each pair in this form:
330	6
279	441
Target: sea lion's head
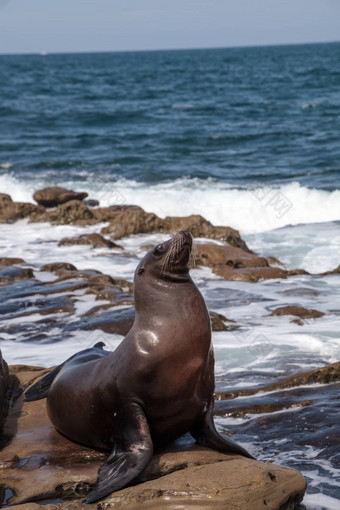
167	261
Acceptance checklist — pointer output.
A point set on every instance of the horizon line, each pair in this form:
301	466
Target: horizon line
240	46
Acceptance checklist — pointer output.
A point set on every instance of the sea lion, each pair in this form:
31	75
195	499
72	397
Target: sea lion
156	386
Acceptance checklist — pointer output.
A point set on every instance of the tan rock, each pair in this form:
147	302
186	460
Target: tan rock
10	261
234	263
299	311
71	212
39	464
57	266
12	211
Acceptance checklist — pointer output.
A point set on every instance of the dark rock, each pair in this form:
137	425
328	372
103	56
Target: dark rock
114	321
4	386
91	202
94	240
55	195
10	261
12	273
299	311
324	375
218	322
39	464
56	266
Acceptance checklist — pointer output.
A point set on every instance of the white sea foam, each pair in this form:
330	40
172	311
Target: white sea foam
249	210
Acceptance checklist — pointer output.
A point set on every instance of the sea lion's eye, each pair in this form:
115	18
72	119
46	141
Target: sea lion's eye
140	271
159	249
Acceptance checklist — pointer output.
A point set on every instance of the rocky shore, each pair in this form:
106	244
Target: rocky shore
40	467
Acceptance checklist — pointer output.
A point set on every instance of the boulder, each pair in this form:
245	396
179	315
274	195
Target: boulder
10	261
57	266
55	195
12	273
38	464
298	311
73	211
128	220
218	322
12	211
233	263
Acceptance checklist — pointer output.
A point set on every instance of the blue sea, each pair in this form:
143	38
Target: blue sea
246	137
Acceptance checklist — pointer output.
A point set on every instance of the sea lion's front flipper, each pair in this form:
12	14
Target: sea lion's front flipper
128	459
206	434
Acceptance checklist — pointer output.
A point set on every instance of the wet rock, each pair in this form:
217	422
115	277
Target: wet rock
55	195
39	464
57	266
114	321
209	254
72	212
237	483
3	391
12	211
12	273
218	322
323	375
79	274
299	311
236	264
60	304
300	291
10	261
94	240
250	274
115	296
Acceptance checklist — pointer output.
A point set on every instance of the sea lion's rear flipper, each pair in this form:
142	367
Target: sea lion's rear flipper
40	389
206	434
127	460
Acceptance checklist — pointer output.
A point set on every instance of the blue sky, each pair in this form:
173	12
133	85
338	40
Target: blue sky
30	26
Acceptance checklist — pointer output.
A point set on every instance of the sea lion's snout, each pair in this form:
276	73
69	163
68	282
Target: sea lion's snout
184	237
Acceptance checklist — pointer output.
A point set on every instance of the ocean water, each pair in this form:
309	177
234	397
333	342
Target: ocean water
245	137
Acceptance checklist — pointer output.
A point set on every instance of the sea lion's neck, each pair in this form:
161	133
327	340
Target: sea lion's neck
157	296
